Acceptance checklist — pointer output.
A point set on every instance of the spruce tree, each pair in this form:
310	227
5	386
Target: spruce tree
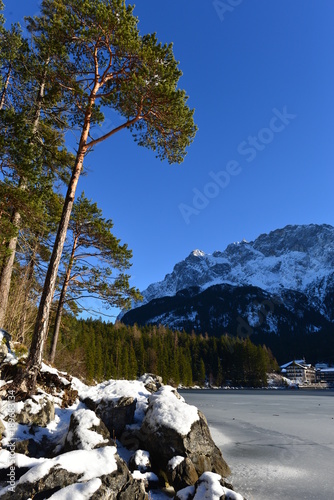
96	263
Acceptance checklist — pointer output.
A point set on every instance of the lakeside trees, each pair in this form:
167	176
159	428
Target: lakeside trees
99	351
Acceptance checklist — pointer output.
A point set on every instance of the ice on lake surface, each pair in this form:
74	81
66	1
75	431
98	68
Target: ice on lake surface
278	444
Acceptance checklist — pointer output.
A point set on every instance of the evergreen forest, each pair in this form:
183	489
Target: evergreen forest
98	351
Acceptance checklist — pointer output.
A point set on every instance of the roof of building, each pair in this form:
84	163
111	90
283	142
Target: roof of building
300	362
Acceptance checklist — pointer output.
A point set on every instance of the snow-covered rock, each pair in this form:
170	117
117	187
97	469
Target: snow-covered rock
209	486
78	471
38	411
172	428
86	431
80	460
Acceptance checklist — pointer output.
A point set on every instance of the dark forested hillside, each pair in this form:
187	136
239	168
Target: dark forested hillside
98	350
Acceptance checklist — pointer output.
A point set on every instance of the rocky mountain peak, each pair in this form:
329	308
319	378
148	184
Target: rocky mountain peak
297	257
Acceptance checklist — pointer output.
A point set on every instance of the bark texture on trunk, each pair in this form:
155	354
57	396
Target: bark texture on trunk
41	327
7	270
27	289
61	302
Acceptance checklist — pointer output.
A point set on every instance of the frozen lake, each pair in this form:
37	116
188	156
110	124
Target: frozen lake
278	444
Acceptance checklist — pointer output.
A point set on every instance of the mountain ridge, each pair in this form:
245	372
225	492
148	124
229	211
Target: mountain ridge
280	284
276	253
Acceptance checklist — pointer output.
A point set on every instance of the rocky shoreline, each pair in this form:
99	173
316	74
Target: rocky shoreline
115	440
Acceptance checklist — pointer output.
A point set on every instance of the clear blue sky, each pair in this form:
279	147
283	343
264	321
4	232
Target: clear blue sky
245	64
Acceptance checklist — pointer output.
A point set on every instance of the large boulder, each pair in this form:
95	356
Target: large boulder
173	428
181	472
115	414
86	431
99	474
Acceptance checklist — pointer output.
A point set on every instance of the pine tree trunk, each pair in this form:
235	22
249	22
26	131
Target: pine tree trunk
7	270
26	381
41	327
61	303
28	286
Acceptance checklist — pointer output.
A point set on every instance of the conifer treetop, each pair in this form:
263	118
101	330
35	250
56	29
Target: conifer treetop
110	65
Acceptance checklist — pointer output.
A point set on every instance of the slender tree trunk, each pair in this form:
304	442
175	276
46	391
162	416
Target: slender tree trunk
26	382
5	87
61	302
28	286
7	270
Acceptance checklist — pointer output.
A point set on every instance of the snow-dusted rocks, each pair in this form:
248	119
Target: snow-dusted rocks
168	409
86	431
171	442
173	428
75	472
117	403
38	411
209	486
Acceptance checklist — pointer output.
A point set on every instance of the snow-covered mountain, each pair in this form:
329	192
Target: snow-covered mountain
299	258
282	278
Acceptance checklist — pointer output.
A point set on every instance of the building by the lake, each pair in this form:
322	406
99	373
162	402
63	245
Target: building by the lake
300	372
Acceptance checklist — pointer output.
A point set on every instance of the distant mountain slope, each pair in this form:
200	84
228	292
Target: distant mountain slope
282	283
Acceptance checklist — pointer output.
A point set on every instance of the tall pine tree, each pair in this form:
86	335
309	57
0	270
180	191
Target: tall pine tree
103	62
